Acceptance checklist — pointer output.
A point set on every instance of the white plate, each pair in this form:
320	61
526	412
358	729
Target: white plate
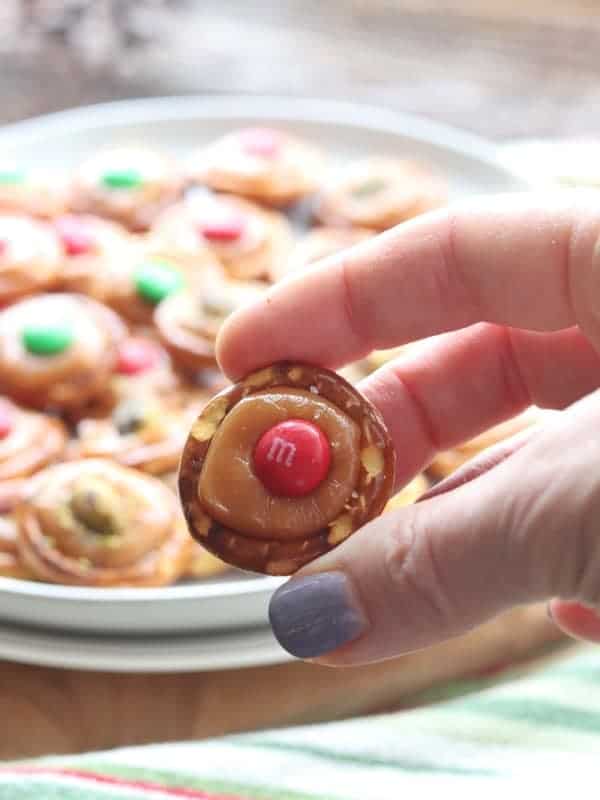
177	125
211	651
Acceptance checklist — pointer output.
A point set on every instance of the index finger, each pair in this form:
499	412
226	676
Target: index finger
524	261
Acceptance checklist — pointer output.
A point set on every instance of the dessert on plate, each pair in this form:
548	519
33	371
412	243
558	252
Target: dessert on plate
57	351
188	322
379	193
283	466
131	185
318	243
249	241
35	192
93	248
268	165
96	523
30	257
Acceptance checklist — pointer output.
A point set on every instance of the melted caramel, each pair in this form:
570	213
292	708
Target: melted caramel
232	494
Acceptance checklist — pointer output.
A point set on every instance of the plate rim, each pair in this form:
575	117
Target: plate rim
218	650
180	107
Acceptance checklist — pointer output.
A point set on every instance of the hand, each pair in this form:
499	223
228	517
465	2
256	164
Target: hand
513	284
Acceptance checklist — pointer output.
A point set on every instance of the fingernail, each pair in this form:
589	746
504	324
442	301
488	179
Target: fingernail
314	615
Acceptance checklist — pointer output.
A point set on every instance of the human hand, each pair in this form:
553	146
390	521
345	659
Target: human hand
513	285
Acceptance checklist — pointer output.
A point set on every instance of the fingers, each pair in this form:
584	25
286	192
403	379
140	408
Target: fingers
524	261
525	531
452	387
483	462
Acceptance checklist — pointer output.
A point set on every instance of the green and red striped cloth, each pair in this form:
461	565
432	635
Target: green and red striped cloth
536	733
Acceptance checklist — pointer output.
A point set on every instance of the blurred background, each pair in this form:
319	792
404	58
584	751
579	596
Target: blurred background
501	68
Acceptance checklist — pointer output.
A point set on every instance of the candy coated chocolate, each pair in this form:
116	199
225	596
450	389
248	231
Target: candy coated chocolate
136	356
225	225
155	280
292	458
122	179
75	236
47	339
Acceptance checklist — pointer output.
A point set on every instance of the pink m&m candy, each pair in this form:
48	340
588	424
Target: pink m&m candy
136	356
222	224
75	235
292	459
263	142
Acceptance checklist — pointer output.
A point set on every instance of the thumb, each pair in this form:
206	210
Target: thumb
525	531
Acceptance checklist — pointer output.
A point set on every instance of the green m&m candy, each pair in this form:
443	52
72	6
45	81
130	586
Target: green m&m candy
156	280
122	179
49	339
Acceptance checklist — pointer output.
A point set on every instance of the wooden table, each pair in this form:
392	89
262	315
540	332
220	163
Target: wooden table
500	68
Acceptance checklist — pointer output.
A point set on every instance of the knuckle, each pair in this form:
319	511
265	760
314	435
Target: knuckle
413	573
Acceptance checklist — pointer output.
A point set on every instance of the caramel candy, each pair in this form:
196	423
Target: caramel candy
379	193
144	432
95	523
283	466
317	244
57	351
33	192
30	257
246	239
188	322
11	566
93	250
130	185
28	441
267	165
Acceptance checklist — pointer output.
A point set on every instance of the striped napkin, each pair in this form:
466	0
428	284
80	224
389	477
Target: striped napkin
534	733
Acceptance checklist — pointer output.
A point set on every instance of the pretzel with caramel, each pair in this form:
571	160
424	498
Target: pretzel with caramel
30	257
130	185
95	523
188	322
379	193
283	466
57	351
28	441
265	164
246	239
11	565
143	432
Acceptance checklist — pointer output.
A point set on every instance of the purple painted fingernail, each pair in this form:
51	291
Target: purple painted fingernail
314	615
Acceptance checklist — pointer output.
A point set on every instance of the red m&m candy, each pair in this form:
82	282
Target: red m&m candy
222	224
292	458
263	142
136	356
75	235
